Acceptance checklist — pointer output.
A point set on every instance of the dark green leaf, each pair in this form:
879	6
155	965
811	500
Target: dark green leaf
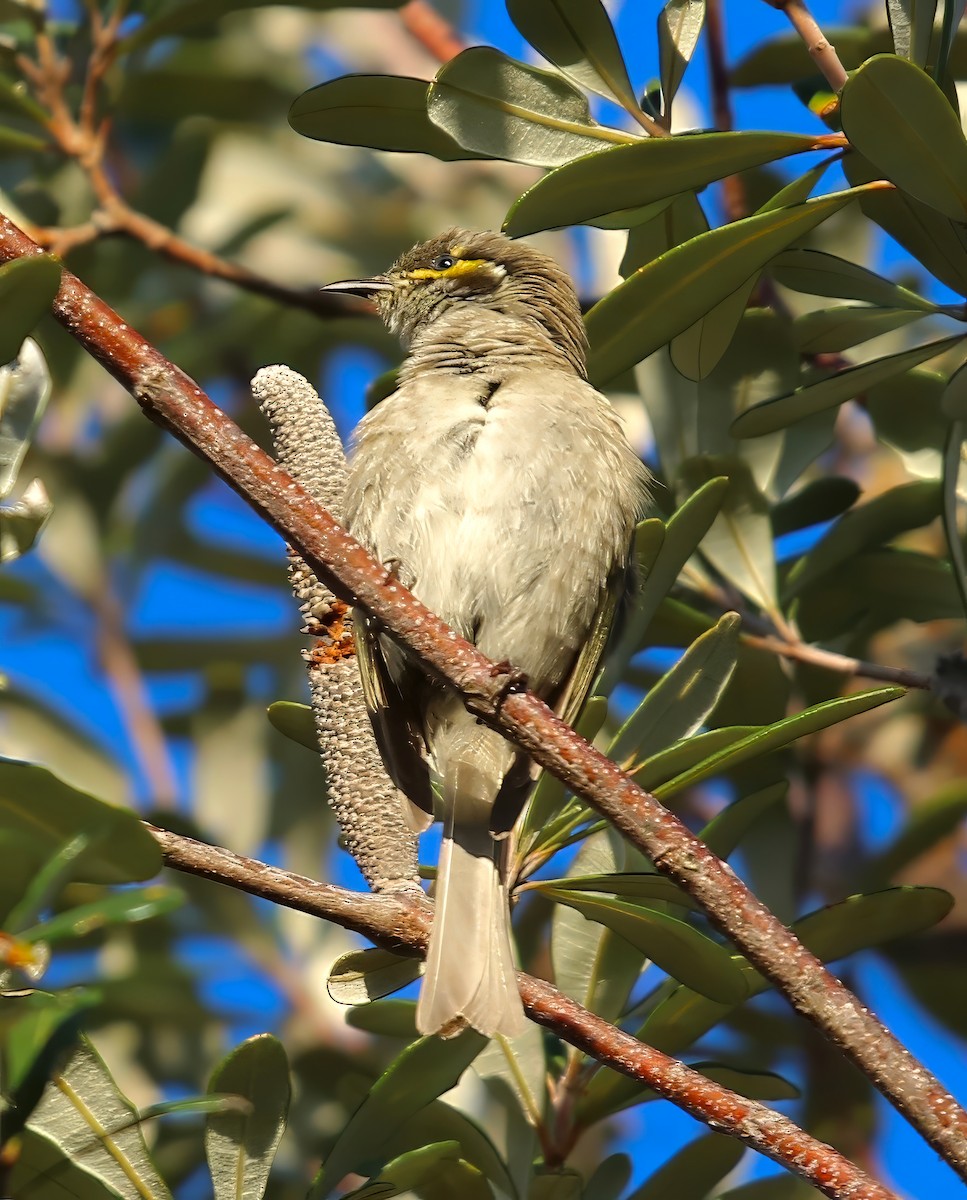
726	830
27	290
772	415
670	763
363	975
697	351
609	1179
636	885
35	802
241	1145
897	118
390	1018
433	1172
673	945
928	823
907	506
421	1073
627	177
819	501
953	404
830	330
679	25
781	733
580	40
694	1171
907	410
497	106
387	112
664	297
953	472
820	274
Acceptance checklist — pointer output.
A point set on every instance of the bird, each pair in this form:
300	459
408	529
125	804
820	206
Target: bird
498	485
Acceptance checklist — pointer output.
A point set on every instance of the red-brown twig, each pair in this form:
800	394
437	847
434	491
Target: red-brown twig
733	191
434	33
402	924
175	402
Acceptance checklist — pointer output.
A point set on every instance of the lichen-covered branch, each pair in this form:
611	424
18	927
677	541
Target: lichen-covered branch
401	924
365	801
177	403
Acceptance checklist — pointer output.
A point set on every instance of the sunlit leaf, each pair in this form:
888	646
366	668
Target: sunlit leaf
498	106
240	1146
580	40
387	112
630	884
627	177
679	25
433	1172
834	390
363	975
666	296
24	391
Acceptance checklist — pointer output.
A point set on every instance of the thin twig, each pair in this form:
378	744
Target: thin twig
733	190
175	402
401	924
434	33
822	51
843	664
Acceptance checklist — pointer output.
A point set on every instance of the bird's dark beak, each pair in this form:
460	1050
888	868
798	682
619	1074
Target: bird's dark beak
360	287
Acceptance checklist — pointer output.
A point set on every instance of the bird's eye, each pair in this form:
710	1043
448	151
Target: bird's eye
443	263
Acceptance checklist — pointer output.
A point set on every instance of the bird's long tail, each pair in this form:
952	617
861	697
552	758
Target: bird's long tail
470	971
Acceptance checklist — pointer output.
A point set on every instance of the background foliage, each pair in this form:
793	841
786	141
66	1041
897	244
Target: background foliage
790	367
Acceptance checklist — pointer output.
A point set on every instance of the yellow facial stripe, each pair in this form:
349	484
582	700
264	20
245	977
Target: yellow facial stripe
463	266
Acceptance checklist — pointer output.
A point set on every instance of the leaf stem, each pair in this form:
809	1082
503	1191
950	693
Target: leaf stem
822	51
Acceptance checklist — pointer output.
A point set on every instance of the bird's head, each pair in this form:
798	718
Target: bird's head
488	271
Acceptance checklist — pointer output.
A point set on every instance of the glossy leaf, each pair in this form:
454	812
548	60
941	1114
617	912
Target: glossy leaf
953	473
664	297
433	1172
693	1171
84	1118
673	945
819	501
781	733
674	224
627	177
497	106
772	415
579	39
818	273
897	118
24	391
636	885
241	1146
679	25
27	290
294	721
421	1073
387	112
678	705
830	330
363	975
34	801
669	764
22	520
907	506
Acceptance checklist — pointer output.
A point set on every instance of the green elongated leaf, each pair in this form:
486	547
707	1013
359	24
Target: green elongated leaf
421	1073
638	885
908	506
671	944
579	39
907	410
592	964
240	1146
434	1172
627	177
15	141
819	501
496	106
125	908
363	975
84	1119
693	1171
664	297
858	923
678	221
679	25
818	273
294	721
774	737
897	118
670	763
927	824
176	19
548	797
953	472
678	705
953	14
391	1018
939	243
697	351
27	290
726	830
772	415
609	1179
35	802
46	884
387	112
830	330
659	568
953	403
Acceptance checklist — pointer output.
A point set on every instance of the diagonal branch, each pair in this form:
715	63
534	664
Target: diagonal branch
175	402
401	924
